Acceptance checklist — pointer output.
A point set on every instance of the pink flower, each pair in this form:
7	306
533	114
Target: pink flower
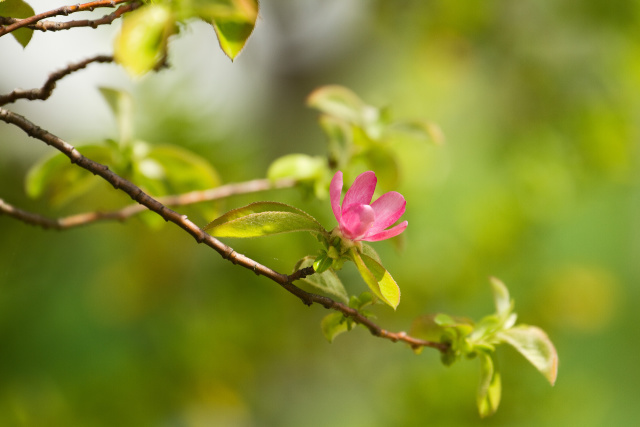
358	218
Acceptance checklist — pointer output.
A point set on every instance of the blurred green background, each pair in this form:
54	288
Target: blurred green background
120	324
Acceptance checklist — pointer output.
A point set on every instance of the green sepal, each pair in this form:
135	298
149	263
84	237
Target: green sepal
263	219
377	278
18	9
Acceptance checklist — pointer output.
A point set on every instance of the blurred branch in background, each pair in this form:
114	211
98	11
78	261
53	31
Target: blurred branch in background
192	197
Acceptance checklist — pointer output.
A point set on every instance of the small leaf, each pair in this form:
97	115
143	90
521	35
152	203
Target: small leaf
326	281
18	9
490	388
142	42
377	278
263	219
333	325
339	102
534	344
501	298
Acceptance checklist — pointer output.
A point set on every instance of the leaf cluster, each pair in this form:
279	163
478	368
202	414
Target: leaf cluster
480	340
157	169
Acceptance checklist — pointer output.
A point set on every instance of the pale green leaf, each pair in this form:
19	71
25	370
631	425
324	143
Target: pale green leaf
18	9
339	102
60	181
327	282
297	166
534	344
263	219
333	325
142	42
421	129
490	388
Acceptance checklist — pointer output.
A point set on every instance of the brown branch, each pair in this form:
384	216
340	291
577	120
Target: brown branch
93	23
47	89
192	197
64	10
201	236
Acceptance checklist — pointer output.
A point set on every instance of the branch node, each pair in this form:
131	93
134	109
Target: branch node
255	269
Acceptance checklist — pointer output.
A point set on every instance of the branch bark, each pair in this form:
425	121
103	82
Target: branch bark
192	197
47	89
228	253
64	10
92	23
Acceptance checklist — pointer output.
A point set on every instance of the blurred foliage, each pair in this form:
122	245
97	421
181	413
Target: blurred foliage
537	184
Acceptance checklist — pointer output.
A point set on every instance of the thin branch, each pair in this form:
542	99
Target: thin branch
201	236
64	10
47	89
93	23
192	197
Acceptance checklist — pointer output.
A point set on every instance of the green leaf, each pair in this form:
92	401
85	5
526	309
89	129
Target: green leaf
60	181
18	9
422	129
300	167
490	388
263	219
180	169
327	281
377	278
339	102
142	42
534	344
333	325
233	22
121	104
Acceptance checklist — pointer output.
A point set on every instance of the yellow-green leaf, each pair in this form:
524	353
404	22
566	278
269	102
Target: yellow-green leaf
377	278
233	22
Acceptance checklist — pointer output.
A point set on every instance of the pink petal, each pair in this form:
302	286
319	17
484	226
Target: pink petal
388	209
356	221
361	190
335	192
392	232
